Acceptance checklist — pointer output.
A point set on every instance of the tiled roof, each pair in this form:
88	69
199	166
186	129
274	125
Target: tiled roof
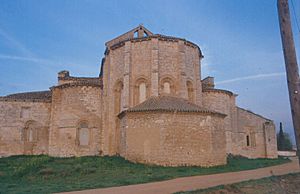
31	96
81	81
170	104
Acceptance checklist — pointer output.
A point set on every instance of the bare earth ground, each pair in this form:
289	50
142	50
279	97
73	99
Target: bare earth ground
276	185
201	182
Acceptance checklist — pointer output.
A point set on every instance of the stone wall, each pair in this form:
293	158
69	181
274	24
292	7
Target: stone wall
72	106
113	72
173	139
239	124
174	59
153	60
223	102
261	133
15	118
80	116
141	60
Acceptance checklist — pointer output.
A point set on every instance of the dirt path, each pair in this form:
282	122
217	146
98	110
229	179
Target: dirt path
197	182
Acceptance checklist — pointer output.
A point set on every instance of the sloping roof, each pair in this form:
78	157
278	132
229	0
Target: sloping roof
217	90
31	96
258	115
128	35
70	81
81	81
169	104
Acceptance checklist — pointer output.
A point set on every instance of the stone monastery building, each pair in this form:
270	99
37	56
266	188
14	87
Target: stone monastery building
149	105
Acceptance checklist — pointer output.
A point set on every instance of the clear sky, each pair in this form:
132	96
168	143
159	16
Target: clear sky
240	41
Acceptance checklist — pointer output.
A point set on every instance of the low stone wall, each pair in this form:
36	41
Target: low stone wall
16	116
287	153
173	138
261	132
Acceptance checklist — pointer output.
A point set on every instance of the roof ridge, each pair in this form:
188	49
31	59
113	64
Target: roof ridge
35	95
169	103
32	92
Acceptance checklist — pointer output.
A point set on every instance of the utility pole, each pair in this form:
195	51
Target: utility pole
291	66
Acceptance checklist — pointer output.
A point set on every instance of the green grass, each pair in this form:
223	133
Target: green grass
44	174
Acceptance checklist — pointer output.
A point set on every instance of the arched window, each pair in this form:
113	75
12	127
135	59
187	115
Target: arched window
190	90
167	86
142	92
30	135
248	140
30	131
121	99
83	134
118	97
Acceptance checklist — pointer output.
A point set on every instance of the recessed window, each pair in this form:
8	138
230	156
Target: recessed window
248	140
30	135
142	92
251	139
30	131
167	88
83	134
119	99
190	90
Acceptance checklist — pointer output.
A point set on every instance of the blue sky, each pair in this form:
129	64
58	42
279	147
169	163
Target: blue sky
240	40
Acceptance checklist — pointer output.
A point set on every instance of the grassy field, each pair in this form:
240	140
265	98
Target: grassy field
275	184
44	174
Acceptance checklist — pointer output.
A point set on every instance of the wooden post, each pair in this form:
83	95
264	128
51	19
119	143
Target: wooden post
291	66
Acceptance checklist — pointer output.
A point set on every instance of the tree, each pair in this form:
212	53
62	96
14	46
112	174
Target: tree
283	140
